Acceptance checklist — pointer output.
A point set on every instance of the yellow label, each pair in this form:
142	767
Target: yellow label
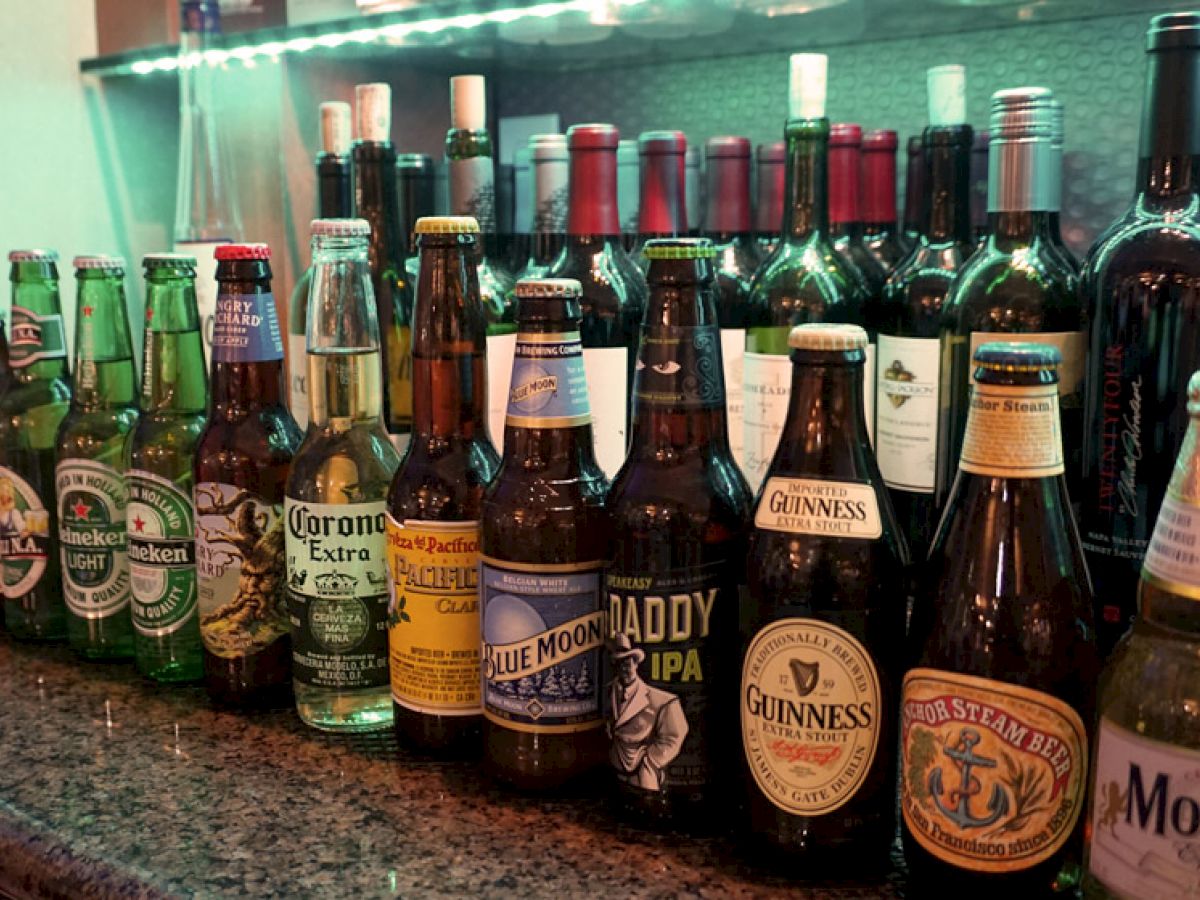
433	616
1013	432
992	775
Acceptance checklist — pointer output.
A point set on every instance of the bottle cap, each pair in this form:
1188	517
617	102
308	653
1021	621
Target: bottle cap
341	227
374	105
1058	133
1021	114
548	288
168	261
546	147
99	261
680	248
775	152
468	102
806	85
845	134
947	89
446	225
627	153
414	161
1005	356
727	145
241	251
661	142
593	137
1179	29
335	127
827	336
31	256
881	139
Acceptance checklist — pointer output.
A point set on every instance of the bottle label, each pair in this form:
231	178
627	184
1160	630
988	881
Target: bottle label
337	593
240	570
1145	816
733	348
993	775
246	329
1173	559
543	627
34	338
677	367
549	385
1071	344
91	534
472	192
298	379
768	385
1013	432
160	524
847	509
501	348
906	413
607	373
668	667
810	707
550	204
24	534
1120	490
433	616
206	286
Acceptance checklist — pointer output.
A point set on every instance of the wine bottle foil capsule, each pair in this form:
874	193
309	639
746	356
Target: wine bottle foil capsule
1021	153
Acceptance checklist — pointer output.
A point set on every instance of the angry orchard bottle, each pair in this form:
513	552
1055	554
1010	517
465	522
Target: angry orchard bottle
90	472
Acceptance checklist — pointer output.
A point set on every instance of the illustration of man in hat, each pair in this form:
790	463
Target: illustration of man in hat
647	725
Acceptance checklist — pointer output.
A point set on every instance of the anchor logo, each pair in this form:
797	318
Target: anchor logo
959	809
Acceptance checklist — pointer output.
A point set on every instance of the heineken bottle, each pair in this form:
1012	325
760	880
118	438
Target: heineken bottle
90	465
30	413
159	518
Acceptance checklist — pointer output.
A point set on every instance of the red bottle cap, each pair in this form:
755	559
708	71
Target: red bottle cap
728	174
772	174
241	251
879	177
662	209
592	207
593	137
880	139
844	177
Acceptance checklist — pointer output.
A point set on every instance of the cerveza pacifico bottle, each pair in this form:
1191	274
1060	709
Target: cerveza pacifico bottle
771	178
822	659
845	207
334	201
1016	285
30	413
908	379
679	508
242	460
916	192
881	234
1002	668
435	500
804	280
614	289
1141	283
1143	808
90	453
334	504
545	542
662	210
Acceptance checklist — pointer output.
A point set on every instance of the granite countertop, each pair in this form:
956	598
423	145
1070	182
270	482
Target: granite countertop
112	787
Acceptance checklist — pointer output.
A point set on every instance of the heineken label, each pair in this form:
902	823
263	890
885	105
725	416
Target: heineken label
239	569
160	524
91	535
35	337
24	534
246	329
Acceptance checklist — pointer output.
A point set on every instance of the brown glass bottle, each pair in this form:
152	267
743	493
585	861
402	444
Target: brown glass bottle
1003	663
822	620
435	500
545	539
242	462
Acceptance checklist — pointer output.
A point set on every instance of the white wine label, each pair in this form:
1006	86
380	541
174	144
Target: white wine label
869	391
298	379
608	391
816	506
206	286
993	775
500	350
1071	344
1173	558
810	709
24	535
733	349
160	526
906	412
1145	816
91	533
767	385
1013	432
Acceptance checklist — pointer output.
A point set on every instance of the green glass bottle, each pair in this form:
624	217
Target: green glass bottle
89	469
160	517
30	413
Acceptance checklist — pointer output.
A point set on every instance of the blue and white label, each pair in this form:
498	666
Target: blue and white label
246	329
549	382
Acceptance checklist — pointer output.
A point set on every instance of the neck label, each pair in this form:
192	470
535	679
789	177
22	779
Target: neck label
246	329
1172	560
1013	432
549	382
815	506
678	368
35	338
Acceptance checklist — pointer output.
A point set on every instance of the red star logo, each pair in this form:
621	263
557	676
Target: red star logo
81	509
139	524
87	312
149	313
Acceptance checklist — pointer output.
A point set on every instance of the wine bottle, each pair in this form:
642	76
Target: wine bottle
416	185
915	191
692	184
1057	143
768	204
661	209
979	185
845	206
548	202
629	175
522	235
880	229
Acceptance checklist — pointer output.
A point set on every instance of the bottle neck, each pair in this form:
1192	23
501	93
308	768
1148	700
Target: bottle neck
550	190
1170	138
915	191
806	211
661	209
1021	176
826	429
472	176
375	199
844	187
37	336
247	370
333	187
173	376
592	209
948	178
1010	230
727	208
416	189
879	189
104	377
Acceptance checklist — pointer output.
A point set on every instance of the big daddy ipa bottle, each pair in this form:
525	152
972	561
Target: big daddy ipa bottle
823	617
1003	659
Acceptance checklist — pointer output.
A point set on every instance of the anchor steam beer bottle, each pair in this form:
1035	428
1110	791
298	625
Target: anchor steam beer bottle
824	612
90	474
335	505
679	508
30	413
159	518
545	539
435	500
1003	658
242	460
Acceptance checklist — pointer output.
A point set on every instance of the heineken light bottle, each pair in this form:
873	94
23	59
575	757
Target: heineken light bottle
159	518
90	465
335	499
30	413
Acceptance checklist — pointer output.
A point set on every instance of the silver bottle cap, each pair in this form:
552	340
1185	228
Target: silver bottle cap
1022	156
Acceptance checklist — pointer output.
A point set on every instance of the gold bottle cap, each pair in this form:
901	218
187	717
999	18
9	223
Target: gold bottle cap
827	336
446	225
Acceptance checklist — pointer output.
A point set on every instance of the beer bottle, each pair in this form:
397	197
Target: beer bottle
160	521
242	461
545	539
823	616
679	508
1003	659
334	503
30	413
1144	806
435	500
90	473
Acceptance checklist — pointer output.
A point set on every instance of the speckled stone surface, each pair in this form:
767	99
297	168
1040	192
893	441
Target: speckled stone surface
111	787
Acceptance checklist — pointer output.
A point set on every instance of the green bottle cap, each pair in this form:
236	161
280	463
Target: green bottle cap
680	248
